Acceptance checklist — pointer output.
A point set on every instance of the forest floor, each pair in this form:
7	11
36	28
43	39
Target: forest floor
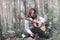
18	39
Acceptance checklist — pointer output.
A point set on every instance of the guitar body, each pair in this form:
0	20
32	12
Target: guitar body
43	28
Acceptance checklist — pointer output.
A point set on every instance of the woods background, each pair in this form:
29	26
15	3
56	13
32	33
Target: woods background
9	23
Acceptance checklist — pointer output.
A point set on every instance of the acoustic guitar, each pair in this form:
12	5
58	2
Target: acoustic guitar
42	27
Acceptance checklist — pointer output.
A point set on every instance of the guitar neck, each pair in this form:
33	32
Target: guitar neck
29	19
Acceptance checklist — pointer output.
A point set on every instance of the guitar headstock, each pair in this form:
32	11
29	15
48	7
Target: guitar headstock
19	17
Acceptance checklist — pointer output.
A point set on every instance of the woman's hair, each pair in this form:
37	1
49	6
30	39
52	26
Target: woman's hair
30	11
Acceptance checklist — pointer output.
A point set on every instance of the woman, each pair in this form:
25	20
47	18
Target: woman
31	26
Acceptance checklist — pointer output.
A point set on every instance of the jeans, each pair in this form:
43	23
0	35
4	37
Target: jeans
40	33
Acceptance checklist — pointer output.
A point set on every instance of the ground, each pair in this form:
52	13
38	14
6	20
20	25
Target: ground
18	39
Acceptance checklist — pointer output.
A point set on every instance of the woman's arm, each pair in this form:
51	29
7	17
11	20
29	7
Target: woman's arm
27	27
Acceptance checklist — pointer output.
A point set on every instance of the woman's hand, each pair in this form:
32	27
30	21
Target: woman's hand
32	34
39	23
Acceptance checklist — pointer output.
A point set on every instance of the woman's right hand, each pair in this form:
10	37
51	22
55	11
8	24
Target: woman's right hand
32	34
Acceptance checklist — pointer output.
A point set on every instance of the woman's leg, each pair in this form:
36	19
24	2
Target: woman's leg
35	31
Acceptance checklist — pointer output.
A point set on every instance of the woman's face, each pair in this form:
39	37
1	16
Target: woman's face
32	13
